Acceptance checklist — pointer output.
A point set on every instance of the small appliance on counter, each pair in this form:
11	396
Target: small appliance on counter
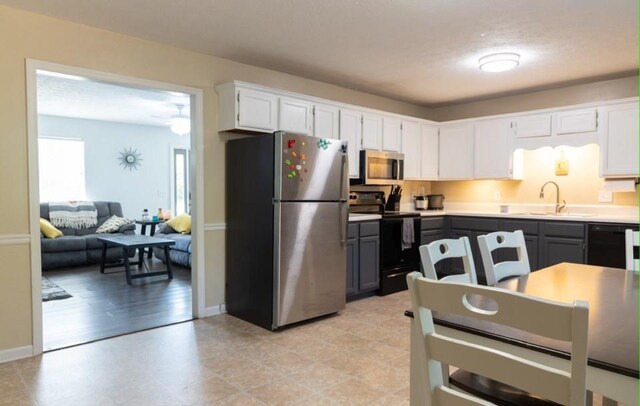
421	202
436	202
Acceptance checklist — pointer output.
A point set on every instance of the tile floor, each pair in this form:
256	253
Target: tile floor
360	357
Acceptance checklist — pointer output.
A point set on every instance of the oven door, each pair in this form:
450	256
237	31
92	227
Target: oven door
393	255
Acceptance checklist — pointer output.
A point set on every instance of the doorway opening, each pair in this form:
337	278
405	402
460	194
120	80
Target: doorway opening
110	149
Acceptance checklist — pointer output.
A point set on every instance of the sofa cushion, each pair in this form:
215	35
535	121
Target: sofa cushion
183	241
49	230
181	223
63	243
113	224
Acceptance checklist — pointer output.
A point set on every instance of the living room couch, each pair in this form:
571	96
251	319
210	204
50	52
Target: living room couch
81	246
180	253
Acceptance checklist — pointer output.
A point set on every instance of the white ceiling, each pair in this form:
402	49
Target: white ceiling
421	51
95	100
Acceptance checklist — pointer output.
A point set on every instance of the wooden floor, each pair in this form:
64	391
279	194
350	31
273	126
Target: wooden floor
103	305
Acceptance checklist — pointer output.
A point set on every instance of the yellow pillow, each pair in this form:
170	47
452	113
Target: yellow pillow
48	230
181	223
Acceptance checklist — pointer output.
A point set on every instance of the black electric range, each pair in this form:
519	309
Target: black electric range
397	257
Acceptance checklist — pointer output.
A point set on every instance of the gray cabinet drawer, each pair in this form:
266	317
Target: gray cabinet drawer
432	223
367	229
352	230
527	227
563	229
474	223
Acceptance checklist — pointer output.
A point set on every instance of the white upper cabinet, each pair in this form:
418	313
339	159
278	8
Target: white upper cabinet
493	152
576	121
391	134
429	152
411	149
535	125
242	108
619	143
294	116
351	131
456	151
326	121
371	131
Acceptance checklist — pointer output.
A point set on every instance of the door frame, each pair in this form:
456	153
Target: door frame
196	181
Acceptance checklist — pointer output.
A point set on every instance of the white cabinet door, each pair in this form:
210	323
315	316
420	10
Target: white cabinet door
257	110
371	131
294	116
493	155
391	134
326	121
537	125
428	152
619	144
351	131
411	149
576	121
456	151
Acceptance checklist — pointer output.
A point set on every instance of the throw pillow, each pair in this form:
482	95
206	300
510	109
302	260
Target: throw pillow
181	223
112	225
48	230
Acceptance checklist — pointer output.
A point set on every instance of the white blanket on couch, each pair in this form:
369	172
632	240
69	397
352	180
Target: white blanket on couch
73	214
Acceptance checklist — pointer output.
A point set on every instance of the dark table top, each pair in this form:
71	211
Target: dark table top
612	295
135	241
147	222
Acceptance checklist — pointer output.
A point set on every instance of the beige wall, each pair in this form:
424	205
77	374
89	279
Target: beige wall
27	35
580	186
564	96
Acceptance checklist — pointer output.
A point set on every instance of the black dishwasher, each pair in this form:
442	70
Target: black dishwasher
606	244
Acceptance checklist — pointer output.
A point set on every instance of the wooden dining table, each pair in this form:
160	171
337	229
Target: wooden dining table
612	294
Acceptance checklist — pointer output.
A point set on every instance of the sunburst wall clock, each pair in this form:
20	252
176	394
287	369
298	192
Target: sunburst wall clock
130	158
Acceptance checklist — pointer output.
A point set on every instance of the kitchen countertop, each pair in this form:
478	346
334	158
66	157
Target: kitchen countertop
576	216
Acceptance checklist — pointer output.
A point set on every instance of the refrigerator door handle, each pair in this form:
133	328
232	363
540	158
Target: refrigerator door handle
344	220
343	191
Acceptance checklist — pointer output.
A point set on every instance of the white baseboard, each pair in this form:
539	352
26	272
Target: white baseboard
215	310
13	354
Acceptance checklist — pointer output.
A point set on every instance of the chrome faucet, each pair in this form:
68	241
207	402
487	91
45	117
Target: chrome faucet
558	207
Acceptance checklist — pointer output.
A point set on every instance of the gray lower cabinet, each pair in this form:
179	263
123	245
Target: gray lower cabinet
562	242
363	258
432	229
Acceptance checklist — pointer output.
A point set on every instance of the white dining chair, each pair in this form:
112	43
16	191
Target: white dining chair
561	321
431	254
631	240
494	272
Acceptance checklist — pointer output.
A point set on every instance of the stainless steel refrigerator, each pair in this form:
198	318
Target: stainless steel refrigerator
287	216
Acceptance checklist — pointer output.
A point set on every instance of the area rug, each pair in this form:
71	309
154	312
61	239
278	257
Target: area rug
51	291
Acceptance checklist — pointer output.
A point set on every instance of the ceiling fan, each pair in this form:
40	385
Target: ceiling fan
178	123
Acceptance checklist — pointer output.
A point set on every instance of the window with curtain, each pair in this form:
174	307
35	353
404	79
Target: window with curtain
61	169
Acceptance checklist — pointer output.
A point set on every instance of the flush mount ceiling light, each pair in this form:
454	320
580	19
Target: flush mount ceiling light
499	62
180	124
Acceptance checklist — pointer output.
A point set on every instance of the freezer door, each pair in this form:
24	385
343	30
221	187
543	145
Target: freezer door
311	260
309	168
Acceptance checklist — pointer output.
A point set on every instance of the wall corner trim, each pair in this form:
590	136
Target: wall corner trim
15	239
13	354
215	310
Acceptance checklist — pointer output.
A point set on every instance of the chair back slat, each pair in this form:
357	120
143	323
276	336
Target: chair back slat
431	254
567	322
550	383
502	239
631	240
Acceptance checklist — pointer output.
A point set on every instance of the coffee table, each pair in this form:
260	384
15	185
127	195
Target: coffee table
132	242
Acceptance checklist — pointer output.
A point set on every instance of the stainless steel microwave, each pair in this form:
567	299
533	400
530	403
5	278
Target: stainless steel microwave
380	168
